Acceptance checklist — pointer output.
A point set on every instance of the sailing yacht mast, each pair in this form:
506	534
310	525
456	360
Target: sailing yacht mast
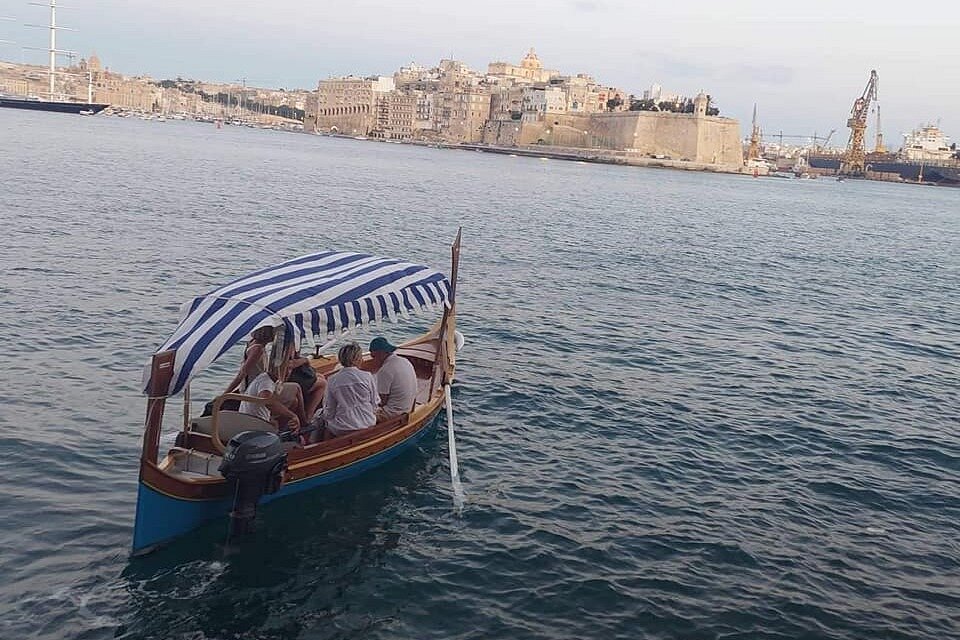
53	45
52	50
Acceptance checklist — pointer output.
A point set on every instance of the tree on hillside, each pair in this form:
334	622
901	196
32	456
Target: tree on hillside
666	105
646	104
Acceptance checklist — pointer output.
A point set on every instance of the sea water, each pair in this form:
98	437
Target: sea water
689	405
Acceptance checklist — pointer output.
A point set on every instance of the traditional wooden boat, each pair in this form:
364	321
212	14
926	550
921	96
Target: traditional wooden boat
320	295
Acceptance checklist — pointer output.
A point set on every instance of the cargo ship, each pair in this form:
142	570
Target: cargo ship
924	157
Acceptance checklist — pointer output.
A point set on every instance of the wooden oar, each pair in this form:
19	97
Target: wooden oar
458	497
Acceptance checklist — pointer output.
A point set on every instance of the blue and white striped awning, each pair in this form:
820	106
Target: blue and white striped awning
320	295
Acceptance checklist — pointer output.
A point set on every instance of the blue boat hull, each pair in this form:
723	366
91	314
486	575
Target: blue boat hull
161	517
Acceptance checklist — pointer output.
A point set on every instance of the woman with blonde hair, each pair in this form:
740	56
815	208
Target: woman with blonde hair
350	400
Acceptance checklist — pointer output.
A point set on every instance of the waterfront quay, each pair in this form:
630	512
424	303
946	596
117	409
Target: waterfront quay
600	156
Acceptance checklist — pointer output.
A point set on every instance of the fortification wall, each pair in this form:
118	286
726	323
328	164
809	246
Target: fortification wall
719	141
355	124
678	136
502	132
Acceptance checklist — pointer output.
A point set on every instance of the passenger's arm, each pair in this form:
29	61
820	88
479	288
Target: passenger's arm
276	408
375	396
382	384
329	404
254	353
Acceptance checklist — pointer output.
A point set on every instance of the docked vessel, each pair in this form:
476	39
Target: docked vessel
320	295
925	156
86	108
927	144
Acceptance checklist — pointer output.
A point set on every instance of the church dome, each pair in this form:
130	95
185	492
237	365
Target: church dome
531	61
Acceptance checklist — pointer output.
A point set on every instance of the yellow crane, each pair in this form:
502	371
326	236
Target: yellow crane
854	160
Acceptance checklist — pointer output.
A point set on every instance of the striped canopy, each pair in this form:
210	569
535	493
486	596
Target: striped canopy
322	295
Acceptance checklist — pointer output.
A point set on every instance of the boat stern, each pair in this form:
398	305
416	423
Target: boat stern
161	517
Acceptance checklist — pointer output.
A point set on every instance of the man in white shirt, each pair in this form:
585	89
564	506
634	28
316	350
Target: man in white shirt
396	379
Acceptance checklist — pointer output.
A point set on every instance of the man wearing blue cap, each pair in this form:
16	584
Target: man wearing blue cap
396	379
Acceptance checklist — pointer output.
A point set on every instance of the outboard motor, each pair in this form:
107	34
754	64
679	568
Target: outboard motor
253	463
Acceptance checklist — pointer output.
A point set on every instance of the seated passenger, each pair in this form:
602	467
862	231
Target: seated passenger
311	385
284	405
254	359
396	379
350	401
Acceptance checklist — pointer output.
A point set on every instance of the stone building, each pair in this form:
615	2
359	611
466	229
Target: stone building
395	116
22	80
423	85
89	79
347	105
463	103
582	94
539	101
464	113
695	137
425	114
138	94
530	69
521	104
506	102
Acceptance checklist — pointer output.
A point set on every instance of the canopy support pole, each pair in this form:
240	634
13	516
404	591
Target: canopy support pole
161	372
186	406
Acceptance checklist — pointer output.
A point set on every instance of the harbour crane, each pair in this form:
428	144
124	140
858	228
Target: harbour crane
854	160
826	140
818	142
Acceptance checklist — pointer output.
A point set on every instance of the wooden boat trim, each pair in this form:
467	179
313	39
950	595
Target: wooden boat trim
161	374
156	477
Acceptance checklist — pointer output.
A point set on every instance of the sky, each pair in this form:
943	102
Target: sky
802	63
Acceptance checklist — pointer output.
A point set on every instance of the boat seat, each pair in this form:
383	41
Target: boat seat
232	423
190	463
423	391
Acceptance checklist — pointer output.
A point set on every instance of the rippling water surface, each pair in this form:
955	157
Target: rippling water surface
690	406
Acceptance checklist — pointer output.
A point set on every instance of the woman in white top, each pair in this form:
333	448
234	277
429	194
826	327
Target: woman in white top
254	360
350	400
285	404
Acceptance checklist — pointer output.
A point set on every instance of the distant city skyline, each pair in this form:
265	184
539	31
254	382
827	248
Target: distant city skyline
802	64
